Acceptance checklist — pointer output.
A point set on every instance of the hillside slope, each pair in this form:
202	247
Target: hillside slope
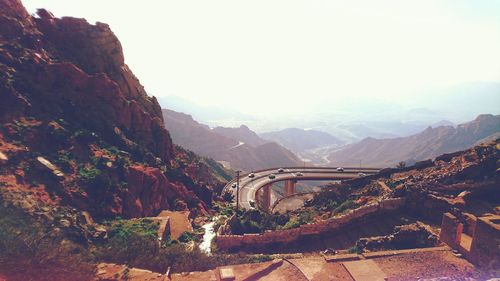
427	144
240	147
241	134
79	128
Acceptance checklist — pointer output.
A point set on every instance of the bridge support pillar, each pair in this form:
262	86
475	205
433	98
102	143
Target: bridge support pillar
266	197
289	187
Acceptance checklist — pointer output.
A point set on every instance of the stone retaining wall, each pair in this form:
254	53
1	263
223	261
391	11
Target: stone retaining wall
228	242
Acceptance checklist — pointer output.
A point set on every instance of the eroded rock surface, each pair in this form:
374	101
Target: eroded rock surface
72	108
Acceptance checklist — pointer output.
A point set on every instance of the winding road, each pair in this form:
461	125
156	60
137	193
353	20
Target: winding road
250	186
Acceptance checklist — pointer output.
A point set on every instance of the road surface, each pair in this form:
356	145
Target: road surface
250	186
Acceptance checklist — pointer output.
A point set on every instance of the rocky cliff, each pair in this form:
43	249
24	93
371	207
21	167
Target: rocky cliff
79	128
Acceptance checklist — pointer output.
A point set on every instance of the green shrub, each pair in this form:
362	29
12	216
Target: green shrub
260	258
306	216
63	160
348	204
88	173
130	242
187	237
292	223
355	250
126	228
224	209
331	205
228	196
256	221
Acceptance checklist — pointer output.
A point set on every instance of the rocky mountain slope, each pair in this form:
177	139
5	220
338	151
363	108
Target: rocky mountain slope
299	140
240	147
79	130
427	144
241	134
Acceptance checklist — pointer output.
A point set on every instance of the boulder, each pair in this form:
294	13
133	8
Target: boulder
3	158
45	164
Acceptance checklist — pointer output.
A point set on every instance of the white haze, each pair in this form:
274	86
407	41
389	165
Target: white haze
307	63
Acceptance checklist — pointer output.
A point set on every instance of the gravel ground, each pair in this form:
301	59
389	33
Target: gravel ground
429	265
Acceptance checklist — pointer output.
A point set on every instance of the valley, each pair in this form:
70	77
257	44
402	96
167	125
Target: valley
100	180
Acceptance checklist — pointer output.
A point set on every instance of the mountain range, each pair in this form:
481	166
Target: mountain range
236	148
299	140
427	144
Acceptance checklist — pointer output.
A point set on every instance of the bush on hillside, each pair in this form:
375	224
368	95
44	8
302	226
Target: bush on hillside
256	221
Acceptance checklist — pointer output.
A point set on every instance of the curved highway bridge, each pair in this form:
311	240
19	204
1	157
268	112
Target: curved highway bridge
257	189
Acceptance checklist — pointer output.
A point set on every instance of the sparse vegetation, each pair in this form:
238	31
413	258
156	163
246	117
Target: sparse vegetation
348	204
224	209
187	237
134	242
256	221
63	160
88	173
228	196
30	250
401	165
355	250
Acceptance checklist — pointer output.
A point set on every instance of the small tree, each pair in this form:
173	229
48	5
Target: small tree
228	196
401	165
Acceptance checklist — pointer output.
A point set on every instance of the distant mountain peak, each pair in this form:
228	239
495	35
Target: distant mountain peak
244	127
299	140
429	143
241	147
481	117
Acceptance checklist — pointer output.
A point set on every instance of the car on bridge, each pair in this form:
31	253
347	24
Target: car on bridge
251	175
272	176
281	170
362	174
299	174
340	169
233	185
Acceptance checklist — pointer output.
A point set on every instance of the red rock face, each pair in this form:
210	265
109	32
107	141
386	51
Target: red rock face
149	192
85	64
61	78
15	9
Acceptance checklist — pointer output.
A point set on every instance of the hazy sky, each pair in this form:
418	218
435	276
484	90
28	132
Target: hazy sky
251	55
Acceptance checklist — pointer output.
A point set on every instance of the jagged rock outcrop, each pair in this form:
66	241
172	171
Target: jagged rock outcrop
409	236
458	181
150	191
70	101
76	69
